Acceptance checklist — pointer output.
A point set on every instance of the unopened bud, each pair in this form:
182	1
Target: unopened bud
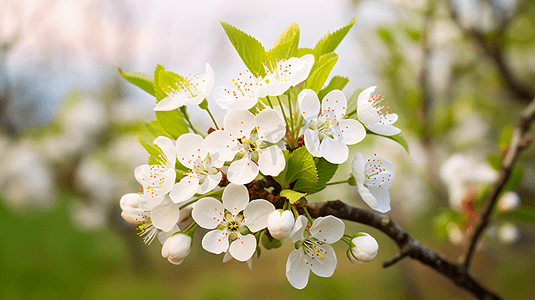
280	224
176	248
364	248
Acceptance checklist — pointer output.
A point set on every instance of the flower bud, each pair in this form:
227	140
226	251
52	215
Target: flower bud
176	248
131	212
280	224
364	248
509	201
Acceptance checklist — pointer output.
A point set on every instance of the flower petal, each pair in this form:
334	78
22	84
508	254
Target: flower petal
328	230
270	125
142	173
239	123
336	102
299	229
272	87
208	213
271	160
370	199
357	168
352	131
312	142
302	68
168	181
243	248
387	130
149	202
365	95
165	215
185	189
382	197
210	182
235	198
168	103
256	214
215	241
334	151
168	147
164	235
189	149
309	104
221	145
242	171
297	271
323	267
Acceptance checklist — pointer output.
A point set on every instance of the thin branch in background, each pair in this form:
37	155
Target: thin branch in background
519	142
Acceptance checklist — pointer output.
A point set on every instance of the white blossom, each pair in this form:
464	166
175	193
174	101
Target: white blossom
176	248
370	113
363	248
509	201
326	133
374	177
280	224
312	250
285	74
242	96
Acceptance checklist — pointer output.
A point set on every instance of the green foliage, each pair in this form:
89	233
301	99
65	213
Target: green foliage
319	74
156	129
140	80
495	161
352	103
286	45
325	172
398	138
482	195
514	179
526	214
304	51
158	91
505	136
329	42
156	155
273	244
173	122
386	36
413	34
292	196
440	222
336	83
299	165
249	49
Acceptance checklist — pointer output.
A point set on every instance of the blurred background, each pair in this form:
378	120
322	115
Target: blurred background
457	72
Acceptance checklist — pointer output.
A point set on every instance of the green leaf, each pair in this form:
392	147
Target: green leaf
304	51
385	35
286	45
292	196
352	103
319	75
396	138
329	42
156	155
158	91
526	214
505	136
514	179
268	245
336	83
249	49
299	165
325	170
495	161
172	122
156	129
140	80
440	222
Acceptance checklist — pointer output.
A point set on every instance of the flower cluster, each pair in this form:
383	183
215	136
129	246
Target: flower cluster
275	130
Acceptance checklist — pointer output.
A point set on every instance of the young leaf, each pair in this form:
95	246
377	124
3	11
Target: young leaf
156	129
319	75
249	49
140	80
329	42
156	155
514	179
325	171
303	51
299	165
158	91
397	138
352	103
172	123
292	196
286	45
336	83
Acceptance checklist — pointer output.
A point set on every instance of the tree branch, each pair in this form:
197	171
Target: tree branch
408	246
519	142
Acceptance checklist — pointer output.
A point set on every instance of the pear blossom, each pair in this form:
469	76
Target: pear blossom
242	96
253	137
326	133
158	180
190	91
374	177
230	220
370	113
280	224
204	175
163	216
176	248
312	249
363	248
285	74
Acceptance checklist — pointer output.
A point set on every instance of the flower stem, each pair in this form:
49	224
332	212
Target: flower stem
269	101
191	228
310	220
286	121
336	182
286	203
186	117
188	203
212	117
296	214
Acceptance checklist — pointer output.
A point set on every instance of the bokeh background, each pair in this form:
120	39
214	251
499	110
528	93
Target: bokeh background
457	72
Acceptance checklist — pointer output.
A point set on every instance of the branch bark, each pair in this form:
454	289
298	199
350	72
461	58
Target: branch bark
409	247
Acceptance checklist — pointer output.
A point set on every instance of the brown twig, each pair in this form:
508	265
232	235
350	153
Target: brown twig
519	142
